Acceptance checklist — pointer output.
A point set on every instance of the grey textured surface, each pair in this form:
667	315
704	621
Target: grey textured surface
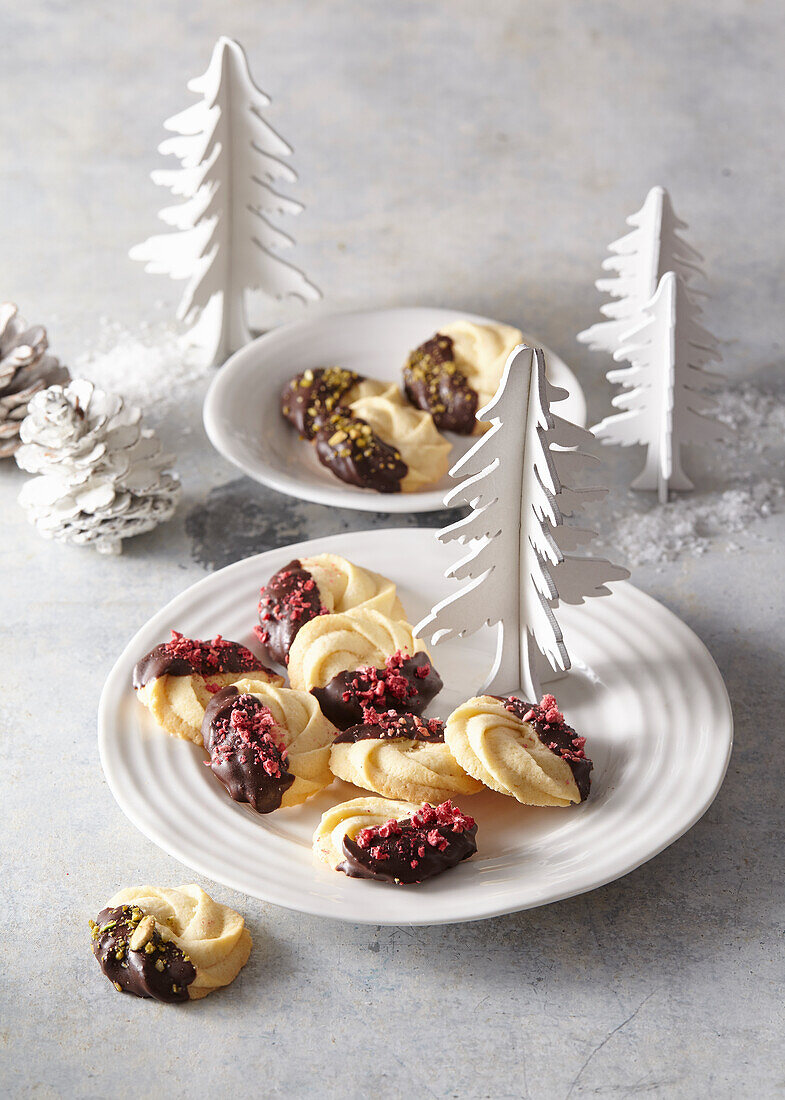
480	157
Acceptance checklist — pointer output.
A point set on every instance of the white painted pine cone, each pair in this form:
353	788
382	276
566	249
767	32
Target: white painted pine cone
101	477
25	369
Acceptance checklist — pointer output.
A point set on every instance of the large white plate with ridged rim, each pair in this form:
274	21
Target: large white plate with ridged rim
243	420
644	691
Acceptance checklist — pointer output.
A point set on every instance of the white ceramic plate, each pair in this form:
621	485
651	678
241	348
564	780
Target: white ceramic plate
645	693
244	423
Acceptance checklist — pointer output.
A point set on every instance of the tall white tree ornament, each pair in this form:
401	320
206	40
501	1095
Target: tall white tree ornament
638	262
523	496
664	404
226	243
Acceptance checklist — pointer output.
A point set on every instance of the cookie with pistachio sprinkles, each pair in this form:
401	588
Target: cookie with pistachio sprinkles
169	945
348	445
311	396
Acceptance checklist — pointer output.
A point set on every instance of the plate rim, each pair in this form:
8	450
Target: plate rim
335	496
316	905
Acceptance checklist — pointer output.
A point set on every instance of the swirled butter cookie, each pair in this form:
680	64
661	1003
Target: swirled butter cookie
170	945
269	746
396	842
177	679
458	371
319	585
525	750
423	449
362	659
400	756
312	395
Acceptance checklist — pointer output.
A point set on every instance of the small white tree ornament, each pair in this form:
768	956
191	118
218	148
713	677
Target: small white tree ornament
664	404
639	261
226	243
519	567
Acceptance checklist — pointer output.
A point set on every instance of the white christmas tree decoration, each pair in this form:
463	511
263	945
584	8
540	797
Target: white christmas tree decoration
638	262
664	404
521	487
100	477
226	243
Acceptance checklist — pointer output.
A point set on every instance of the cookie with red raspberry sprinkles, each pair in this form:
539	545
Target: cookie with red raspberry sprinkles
247	754
319	585
525	750
394	842
177	679
400	756
269	746
289	599
368	657
403	685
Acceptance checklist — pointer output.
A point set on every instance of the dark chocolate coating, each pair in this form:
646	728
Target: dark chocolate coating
304	403
561	736
237	761
366	461
402	849
346	712
136	971
206	660
434	383
391	727
285	604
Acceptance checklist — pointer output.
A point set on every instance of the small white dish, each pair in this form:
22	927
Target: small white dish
244	423
644	691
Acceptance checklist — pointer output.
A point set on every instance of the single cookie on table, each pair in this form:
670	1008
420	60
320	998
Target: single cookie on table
177	679
169	945
312	395
525	750
401	756
362	659
396	842
458	371
319	585
423	449
269	746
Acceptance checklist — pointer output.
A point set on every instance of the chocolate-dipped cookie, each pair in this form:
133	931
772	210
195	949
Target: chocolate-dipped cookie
135	957
313	395
349	447
401	756
525	750
548	723
434	383
182	656
177	679
394	842
170	944
289	599
247	753
456	373
318	585
404	684
269	746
